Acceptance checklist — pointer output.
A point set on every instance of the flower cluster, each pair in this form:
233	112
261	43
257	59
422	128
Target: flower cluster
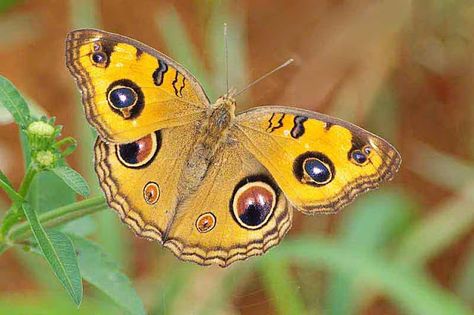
42	136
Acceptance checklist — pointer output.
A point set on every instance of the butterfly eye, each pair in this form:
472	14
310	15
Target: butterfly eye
253	204
151	193
359	157
205	222
139	153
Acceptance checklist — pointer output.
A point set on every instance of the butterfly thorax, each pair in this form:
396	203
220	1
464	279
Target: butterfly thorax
213	134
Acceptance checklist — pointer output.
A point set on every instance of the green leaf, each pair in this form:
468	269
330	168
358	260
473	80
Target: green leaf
12	100
411	290
56	195
73	179
58	250
99	270
5	180
6	185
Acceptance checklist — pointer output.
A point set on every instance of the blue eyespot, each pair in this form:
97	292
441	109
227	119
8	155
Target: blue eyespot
359	157
317	170
122	97
99	57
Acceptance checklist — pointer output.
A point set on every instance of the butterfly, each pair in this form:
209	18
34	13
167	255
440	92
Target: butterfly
211	185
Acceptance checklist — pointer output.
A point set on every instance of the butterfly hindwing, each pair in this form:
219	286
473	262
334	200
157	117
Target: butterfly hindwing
321	163
128	89
140	179
238	211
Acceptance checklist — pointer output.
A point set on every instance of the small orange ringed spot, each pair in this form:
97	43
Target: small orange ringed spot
151	193
205	222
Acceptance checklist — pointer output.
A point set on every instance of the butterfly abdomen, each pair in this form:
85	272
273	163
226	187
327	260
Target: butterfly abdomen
212	136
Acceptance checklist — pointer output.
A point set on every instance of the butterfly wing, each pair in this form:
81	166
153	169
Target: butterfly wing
129	90
321	163
140	179
238	211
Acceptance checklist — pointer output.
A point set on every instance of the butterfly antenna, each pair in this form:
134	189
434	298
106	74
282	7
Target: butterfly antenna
226	51
286	63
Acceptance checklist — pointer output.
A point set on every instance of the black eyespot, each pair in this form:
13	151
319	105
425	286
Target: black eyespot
122	96
139	153
314	168
99	58
125	98
253	203
358	157
317	170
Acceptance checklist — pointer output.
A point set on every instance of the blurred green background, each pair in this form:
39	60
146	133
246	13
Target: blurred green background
401	69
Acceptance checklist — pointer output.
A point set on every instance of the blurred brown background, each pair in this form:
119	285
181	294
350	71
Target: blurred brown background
402	69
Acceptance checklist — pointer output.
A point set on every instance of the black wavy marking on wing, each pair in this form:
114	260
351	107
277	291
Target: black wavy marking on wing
182	87
176	92
159	73
273	128
298	128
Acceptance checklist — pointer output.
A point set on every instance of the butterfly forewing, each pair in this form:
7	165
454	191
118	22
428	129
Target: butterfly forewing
320	163
128	89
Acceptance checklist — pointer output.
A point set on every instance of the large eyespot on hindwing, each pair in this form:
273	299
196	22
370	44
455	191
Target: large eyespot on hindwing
139	153
314	168
125	98
253	202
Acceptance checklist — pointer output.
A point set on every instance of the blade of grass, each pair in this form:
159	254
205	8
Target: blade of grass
180	47
374	220
280	287
171	287
411	290
59	252
464	285
237	46
19	29
434	233
460	172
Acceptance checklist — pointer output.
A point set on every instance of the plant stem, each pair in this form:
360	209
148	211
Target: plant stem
54	217
26	183
15	213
